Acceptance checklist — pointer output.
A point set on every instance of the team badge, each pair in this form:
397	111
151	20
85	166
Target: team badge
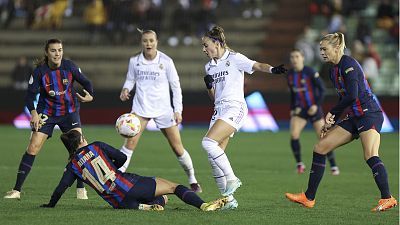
65	81
31	80
316	75
227	63
303	81
52	93
161	66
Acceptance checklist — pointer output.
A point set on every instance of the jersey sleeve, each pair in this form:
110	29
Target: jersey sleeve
66	181
130	76
175	86
350	77
33	89
82	79
243	63
114	154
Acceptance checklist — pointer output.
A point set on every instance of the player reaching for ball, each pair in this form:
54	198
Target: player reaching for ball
225	83
97	165
153	73
58	104
363	121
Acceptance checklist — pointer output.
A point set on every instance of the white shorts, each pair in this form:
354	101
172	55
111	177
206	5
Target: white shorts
166	120
234	113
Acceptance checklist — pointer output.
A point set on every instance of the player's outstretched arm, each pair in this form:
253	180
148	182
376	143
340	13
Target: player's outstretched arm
264	67
66	181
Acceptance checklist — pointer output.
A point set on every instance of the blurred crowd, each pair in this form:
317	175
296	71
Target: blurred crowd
335	13
116	19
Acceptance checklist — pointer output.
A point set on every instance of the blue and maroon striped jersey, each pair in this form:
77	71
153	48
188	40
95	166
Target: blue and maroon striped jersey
97	165
306	88
57	93
353	89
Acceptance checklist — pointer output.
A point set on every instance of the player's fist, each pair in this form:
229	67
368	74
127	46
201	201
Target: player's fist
208	80
279	69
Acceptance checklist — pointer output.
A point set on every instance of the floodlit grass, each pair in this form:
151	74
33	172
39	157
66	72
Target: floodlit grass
263	161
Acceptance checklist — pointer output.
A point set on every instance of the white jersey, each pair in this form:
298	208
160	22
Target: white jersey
153	80
228	74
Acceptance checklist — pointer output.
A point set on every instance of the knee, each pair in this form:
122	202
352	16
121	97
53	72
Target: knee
208	143
33	149
321	148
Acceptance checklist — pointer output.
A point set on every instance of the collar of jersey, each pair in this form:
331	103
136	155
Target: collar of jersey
224	56
143	60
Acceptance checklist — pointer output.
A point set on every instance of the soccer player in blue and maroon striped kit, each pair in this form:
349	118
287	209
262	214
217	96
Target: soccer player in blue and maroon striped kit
307	93
364	121
53	78
97	165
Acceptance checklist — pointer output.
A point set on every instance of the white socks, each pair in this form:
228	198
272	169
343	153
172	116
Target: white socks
186	162
128	154
218	175
219	157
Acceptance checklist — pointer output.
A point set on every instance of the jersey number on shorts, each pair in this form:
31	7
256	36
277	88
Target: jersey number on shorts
103	172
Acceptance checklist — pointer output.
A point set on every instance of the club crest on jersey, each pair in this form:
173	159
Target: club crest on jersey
316	75
227	63
349	70
161	66
303	81
65	81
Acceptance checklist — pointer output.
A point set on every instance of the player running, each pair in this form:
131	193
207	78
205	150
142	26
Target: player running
224	80
97	165
364	121
306	96
154	73
58	104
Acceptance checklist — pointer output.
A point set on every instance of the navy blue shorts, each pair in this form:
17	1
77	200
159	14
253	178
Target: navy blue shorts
317	116
357	125
142	192
66	123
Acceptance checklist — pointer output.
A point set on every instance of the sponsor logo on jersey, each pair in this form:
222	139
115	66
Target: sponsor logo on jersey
53	93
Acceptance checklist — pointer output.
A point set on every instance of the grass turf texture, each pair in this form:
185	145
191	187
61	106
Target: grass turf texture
263	161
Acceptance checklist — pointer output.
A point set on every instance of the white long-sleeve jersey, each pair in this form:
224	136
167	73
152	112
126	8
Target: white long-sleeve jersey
228	74
153	80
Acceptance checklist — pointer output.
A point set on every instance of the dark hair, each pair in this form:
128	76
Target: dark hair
216	34
71	141
298	50
44	59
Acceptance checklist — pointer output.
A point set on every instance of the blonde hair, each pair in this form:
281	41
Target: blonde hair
146	32
336	40
216	34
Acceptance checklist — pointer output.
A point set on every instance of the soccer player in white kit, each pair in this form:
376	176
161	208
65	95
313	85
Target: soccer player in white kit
225	83
153	73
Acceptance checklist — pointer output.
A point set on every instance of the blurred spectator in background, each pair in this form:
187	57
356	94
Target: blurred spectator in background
363	31
385	15
20	74
7	12
154	16
181	24
119	13
205	17
252	8
96	18
50	16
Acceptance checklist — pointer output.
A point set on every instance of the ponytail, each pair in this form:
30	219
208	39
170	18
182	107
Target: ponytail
336	40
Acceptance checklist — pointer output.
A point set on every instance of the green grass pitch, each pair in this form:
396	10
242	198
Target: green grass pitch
263	161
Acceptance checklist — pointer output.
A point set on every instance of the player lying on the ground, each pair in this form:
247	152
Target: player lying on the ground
97	165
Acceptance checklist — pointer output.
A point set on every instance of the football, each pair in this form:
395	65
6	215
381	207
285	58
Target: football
128	125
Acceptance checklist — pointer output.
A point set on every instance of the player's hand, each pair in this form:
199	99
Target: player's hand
208	80
330	118
312	110
124	95
36	122
86	98
325	130
295	112
178	117
48	205
279	69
